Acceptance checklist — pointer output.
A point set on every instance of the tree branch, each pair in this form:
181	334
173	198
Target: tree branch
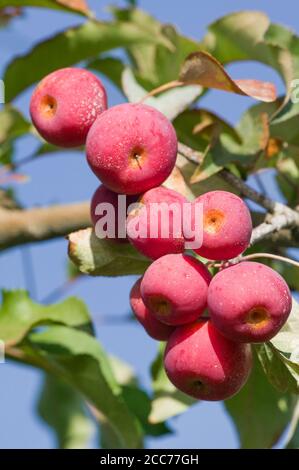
18	227
249	192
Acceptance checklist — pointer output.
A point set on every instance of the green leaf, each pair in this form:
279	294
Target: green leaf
287	340
285	125
75	44
103	257
171	103
62	5
140	404
108	437
243	147
196	128
212	183
287	176
156	64
79	359
12	126
186	122
122	371
259	411
206	169
141	55
280	357
278	35
62	408
168	65
19	314
250	27
276	369
270	44
168	401
137	400
110	67
292	441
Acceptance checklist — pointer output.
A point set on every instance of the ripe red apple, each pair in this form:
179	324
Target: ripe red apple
152	326
131	148
202	363
65	104
175	288
227	225
155	229
249	302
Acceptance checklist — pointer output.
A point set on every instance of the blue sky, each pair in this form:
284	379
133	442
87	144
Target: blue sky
66	178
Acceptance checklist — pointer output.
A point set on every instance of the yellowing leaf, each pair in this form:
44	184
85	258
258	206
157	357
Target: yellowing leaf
80	5
75	6
201	68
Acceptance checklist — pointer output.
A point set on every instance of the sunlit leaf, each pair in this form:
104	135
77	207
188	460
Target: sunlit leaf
287	340
155	64
79	359
104	258
278	371
70	422
171	103
19	314
75	44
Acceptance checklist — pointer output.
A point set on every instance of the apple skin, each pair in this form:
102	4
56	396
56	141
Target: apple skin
175	288
155	247
227	225
104	195
65	104
249	302
152	326
131	148
204	364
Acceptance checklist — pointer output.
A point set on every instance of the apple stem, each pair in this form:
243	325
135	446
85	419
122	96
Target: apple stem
217	264
160	89
137	158
271	256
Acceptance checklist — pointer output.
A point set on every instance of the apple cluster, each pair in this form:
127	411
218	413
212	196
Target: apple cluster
208	322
